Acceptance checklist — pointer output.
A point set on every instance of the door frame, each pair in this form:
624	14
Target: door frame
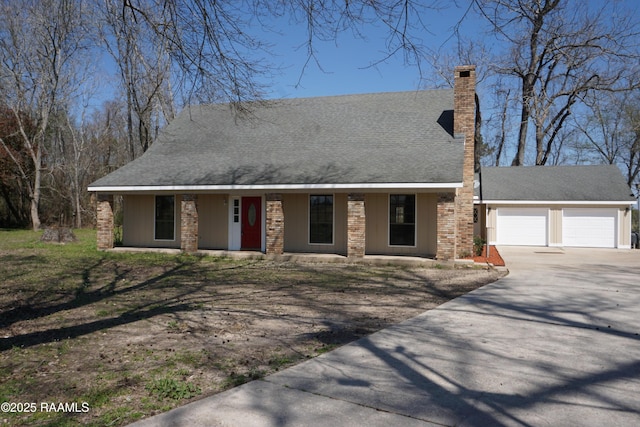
235	228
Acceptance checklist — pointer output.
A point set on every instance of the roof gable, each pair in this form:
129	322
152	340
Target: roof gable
402	137
582	183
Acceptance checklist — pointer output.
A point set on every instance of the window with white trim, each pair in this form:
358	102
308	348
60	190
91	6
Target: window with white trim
236	210
321	219
402	219
165	218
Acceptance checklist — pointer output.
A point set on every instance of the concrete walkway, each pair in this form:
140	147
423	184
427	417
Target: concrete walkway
555	343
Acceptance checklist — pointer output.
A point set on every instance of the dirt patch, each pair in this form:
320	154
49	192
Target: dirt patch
135	338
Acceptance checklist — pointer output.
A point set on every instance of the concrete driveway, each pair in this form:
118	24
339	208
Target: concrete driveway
555	343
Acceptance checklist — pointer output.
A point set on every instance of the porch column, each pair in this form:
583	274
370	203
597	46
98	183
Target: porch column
356	225
104	221
189	223
446	227
275	224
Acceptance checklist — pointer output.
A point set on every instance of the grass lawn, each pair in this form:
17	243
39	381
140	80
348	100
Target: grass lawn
121	336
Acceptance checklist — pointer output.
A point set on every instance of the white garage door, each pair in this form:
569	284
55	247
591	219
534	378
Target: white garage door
522	226
594	228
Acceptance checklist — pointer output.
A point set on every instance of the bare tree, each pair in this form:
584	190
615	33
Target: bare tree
611	131
209	51
144	67
13	160
38	40
167	54
221	58
560	51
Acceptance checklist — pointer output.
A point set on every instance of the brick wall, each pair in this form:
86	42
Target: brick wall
356	225
189	223
275	225
464	126
446	215
104	213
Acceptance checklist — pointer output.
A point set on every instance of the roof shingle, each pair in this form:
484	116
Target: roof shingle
401	137
583	183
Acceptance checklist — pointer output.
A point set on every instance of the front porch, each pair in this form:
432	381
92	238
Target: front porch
340	226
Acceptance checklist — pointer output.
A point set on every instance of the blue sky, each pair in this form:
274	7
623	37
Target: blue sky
346	62
344	65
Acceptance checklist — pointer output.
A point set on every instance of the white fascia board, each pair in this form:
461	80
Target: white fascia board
555	202
281	187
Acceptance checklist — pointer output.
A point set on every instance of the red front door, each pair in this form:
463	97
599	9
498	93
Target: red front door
251	223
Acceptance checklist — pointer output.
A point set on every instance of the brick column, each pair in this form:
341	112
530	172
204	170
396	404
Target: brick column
356	225
104	213
275	224
464	126
189	223
446	227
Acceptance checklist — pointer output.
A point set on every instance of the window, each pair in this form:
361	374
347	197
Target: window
165	217
321	219
236	210
402	220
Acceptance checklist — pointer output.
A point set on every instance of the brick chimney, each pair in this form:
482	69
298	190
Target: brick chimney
464	103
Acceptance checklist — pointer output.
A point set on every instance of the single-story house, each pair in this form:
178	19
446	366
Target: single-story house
295	175
579	206
385	173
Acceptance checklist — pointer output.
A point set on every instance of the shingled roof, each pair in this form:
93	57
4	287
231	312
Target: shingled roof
385	138
584	183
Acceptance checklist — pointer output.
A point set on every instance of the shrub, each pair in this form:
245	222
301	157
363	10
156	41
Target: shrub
478	244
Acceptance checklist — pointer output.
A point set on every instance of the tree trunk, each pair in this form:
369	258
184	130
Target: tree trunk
76	199
35	193
528	82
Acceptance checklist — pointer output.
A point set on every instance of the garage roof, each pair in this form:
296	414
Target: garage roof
583	183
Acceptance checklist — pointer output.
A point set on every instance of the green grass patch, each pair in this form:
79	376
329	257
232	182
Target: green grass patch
278	361
170	388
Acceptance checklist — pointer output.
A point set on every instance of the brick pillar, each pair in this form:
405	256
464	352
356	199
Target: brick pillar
356	225
275	224
464	89
446	227
189	223
104	213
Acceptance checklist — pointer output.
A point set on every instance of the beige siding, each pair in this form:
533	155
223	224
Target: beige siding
138	222
213	221
624	228
555	226
491	224
377	217
296	219
480	227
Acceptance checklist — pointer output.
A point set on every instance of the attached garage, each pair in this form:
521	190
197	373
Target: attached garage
585	227
522	226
